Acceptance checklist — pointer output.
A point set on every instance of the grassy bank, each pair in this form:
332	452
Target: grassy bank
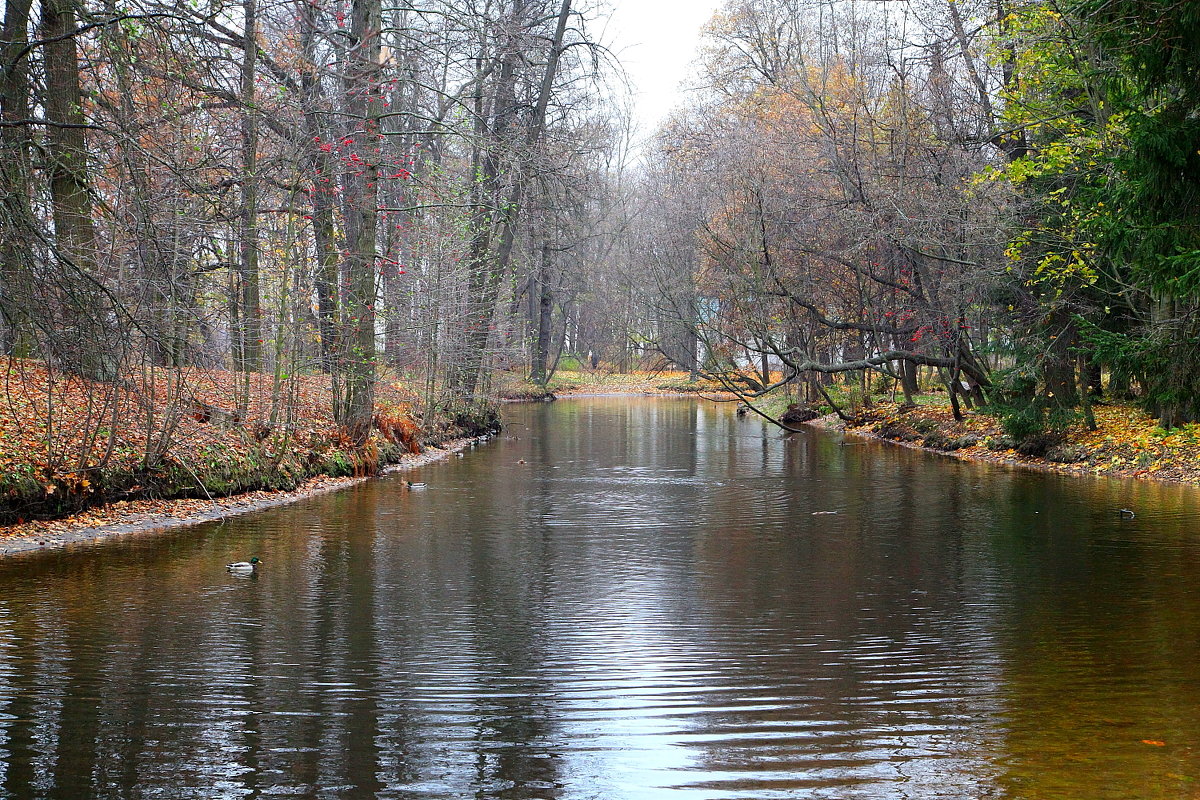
67	444
1127	441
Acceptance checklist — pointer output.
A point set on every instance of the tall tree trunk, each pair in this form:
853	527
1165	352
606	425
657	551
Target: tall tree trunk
908	373
163	292
15	213
320	144
365	104
250	357
85	343
404	98
545	313
1058	362
487	268
487	190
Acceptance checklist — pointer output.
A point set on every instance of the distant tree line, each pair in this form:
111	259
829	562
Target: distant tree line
999	194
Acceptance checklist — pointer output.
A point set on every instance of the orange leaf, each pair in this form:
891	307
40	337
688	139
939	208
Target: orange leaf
1154	742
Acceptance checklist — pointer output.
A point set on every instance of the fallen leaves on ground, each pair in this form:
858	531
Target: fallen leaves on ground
66	442
139	514
1126	443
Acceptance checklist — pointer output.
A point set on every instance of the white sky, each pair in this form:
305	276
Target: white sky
656	41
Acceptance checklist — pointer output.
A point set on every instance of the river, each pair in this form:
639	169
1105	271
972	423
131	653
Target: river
627	598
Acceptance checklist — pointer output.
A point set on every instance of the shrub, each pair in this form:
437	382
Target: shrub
940	441
797	414
898	430
1066	453
1038	444
924	425
1033	428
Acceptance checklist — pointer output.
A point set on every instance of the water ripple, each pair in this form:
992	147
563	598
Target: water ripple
650	607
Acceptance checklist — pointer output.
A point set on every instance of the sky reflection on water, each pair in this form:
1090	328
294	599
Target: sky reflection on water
650	606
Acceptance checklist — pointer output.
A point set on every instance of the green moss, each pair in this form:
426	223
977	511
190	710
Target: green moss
774	405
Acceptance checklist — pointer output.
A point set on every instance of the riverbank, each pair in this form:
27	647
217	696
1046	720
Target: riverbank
221	465
1127	443
146	517
78	454
223	461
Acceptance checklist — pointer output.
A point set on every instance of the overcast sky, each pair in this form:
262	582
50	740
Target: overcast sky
656	41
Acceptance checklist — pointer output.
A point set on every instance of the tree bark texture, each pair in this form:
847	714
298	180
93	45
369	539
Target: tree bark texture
85	341
365	103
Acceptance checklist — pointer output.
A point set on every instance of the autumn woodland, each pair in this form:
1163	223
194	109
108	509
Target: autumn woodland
246	243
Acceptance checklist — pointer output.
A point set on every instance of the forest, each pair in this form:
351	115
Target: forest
243	243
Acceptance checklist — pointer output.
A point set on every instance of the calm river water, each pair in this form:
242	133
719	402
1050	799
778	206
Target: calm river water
627	598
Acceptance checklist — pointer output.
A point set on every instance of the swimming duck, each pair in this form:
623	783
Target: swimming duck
244	567
414	484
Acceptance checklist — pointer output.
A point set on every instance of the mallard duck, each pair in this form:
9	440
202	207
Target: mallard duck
414	485
244	567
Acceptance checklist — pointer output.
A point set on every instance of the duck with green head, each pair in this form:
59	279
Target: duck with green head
244	567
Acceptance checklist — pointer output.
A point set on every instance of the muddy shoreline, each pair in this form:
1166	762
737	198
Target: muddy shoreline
153	517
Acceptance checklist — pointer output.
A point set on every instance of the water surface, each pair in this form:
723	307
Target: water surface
619	599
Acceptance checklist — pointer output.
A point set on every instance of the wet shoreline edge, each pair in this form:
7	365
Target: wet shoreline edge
141	524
